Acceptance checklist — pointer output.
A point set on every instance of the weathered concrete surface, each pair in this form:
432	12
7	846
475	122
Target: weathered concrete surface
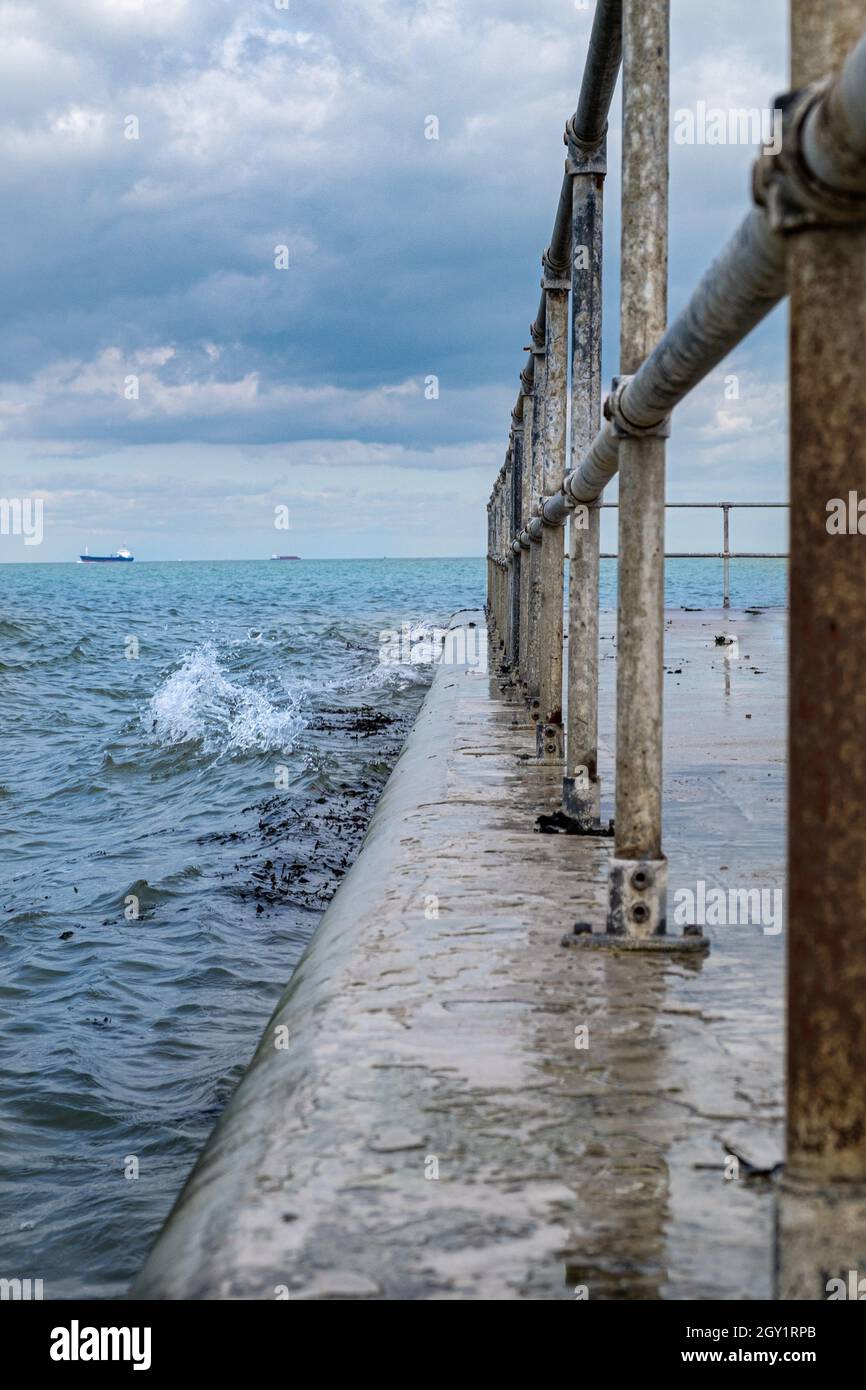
414	1038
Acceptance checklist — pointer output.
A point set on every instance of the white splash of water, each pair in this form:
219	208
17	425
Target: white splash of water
199	703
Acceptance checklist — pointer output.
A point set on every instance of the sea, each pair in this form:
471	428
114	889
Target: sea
191	754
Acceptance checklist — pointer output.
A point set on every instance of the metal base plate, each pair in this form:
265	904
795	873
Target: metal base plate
595	941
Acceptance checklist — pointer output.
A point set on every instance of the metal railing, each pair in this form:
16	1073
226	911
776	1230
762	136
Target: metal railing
804	236
725	554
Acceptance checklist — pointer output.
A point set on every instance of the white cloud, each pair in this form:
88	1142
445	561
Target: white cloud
409	257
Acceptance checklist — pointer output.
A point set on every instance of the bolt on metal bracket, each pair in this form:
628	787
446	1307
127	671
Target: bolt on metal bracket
637	912
782	183
622	426
637	897
549	742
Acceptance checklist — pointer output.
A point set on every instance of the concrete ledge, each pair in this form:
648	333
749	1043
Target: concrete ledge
447	1104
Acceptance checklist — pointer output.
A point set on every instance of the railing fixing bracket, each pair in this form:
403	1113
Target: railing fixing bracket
783	184
622	426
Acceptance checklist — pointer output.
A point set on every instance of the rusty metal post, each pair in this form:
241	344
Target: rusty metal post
726	547
581	786
527	385
822	1207
533	646
514	546
494	569
498	570
549	730
508	554
503	567
491	570
503	563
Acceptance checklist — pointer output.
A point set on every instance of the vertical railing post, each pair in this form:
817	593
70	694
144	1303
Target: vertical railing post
549	731
489	610
581	787
500	606
638	874
495	569
503	563
726	547
526	381
535	444
516	552
507	558
822	1211
497	631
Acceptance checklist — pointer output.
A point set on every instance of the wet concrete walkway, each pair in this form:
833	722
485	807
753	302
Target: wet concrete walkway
448	1103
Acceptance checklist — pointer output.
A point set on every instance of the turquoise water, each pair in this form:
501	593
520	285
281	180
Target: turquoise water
191	753
700	583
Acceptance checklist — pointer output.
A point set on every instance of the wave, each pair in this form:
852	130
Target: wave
200	703
396	676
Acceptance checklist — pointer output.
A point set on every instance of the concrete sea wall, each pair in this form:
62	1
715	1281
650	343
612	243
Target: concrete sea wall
449	1104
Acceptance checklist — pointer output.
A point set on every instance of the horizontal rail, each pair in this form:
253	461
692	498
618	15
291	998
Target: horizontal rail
746	281
726	554
711	555
734	506
741	287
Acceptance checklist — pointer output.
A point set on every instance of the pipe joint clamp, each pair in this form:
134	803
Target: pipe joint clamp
555	276
583	158
783	184
567	501
622	425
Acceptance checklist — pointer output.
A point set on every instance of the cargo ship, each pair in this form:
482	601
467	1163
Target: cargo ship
121	556
285	557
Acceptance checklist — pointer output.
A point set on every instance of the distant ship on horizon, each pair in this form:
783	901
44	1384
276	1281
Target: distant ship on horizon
121	556
285	557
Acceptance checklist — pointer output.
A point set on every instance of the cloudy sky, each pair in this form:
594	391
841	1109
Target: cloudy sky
164	385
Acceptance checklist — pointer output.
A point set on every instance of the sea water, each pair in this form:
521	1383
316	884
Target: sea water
190	755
